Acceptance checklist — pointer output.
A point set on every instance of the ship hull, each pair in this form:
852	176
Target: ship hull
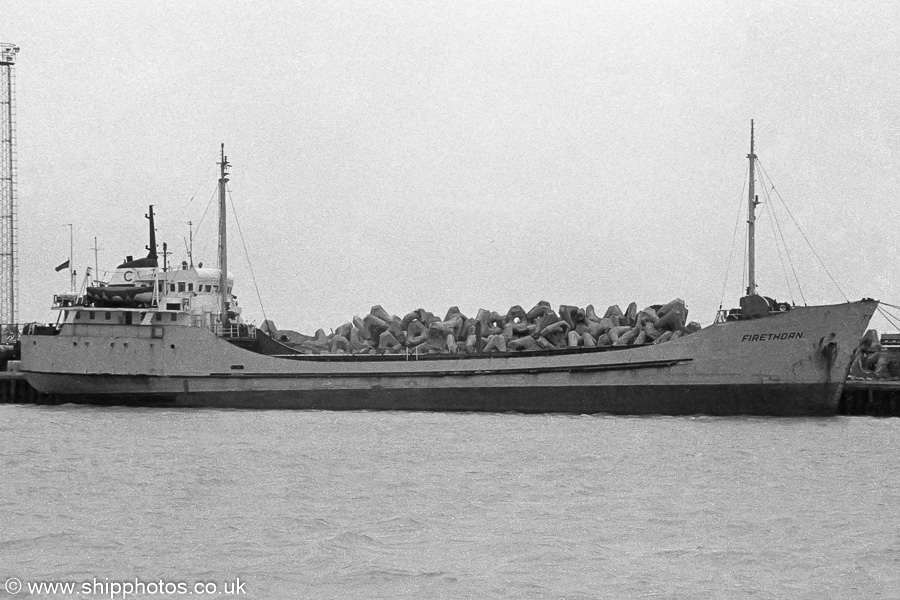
713	399
788	364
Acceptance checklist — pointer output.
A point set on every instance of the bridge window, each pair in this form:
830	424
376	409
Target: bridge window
159	316
190	287
92	315
180	286
174	317
171	287
106	316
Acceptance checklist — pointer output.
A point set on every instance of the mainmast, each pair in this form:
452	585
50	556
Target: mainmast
751	222
223	247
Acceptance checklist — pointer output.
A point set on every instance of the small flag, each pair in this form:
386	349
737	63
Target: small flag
65	265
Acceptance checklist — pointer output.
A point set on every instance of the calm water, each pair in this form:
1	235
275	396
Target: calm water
403	505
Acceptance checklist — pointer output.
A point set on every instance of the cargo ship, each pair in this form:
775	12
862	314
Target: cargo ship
154	336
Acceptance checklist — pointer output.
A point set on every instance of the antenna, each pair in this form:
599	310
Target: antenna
9	251
96	250
166	254
190	246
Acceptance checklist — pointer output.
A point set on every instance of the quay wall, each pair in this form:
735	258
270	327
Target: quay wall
14	389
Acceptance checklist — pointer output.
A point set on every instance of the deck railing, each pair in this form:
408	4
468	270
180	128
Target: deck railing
233	330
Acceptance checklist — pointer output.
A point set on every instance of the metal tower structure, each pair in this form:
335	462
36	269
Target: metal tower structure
9	284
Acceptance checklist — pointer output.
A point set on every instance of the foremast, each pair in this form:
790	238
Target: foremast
751	221
752	305
223	246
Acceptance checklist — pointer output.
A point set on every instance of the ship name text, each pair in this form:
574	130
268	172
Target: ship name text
772	337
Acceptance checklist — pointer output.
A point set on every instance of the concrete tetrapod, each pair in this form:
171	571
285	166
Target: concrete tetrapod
490	331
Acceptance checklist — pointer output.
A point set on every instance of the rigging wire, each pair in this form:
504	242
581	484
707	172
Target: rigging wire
209	203
737	223
212	196
772	221
786	253
247	254
200	222
808	243
776	225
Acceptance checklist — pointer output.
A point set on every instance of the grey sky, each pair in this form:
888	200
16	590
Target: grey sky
479	154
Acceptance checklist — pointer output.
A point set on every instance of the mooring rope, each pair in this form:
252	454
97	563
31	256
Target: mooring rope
887	316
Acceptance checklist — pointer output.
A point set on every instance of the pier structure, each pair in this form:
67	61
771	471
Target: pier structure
8	198
871	398
14	389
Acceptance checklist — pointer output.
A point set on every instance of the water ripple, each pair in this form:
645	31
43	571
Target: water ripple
406	505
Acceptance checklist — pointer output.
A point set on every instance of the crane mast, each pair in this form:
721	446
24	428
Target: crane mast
8	199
